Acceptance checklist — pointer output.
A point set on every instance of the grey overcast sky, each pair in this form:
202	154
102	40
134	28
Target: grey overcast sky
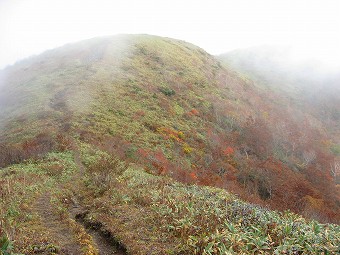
30	27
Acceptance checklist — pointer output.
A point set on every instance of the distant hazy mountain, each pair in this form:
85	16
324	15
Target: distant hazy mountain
308	83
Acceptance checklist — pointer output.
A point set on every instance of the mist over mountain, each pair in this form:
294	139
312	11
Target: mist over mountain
281	66
154	137
308	83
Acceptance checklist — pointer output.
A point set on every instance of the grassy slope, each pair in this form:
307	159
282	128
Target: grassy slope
165	105
148	214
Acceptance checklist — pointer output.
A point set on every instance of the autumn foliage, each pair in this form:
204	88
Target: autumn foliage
174	110
32	148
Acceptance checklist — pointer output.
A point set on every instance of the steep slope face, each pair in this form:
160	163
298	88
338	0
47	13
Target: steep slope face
306	86
173	109
306	92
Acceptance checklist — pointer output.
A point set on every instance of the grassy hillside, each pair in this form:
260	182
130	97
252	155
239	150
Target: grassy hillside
129	130
146	214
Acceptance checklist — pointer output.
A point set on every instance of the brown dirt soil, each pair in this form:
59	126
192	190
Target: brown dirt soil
105	241
60	231
65	238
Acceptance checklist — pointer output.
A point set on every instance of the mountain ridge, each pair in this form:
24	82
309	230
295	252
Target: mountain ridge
171	109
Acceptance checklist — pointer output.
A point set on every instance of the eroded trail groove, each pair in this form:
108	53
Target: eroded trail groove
65	238
103	239
64	235
104	244
59	230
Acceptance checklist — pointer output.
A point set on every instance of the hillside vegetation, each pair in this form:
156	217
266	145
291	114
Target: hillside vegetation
129	129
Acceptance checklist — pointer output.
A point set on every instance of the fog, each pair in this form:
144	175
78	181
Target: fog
312	27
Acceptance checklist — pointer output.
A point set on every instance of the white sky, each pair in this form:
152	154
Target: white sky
31	26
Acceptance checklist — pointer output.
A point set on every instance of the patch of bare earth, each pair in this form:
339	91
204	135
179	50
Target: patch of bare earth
102	239
61	233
